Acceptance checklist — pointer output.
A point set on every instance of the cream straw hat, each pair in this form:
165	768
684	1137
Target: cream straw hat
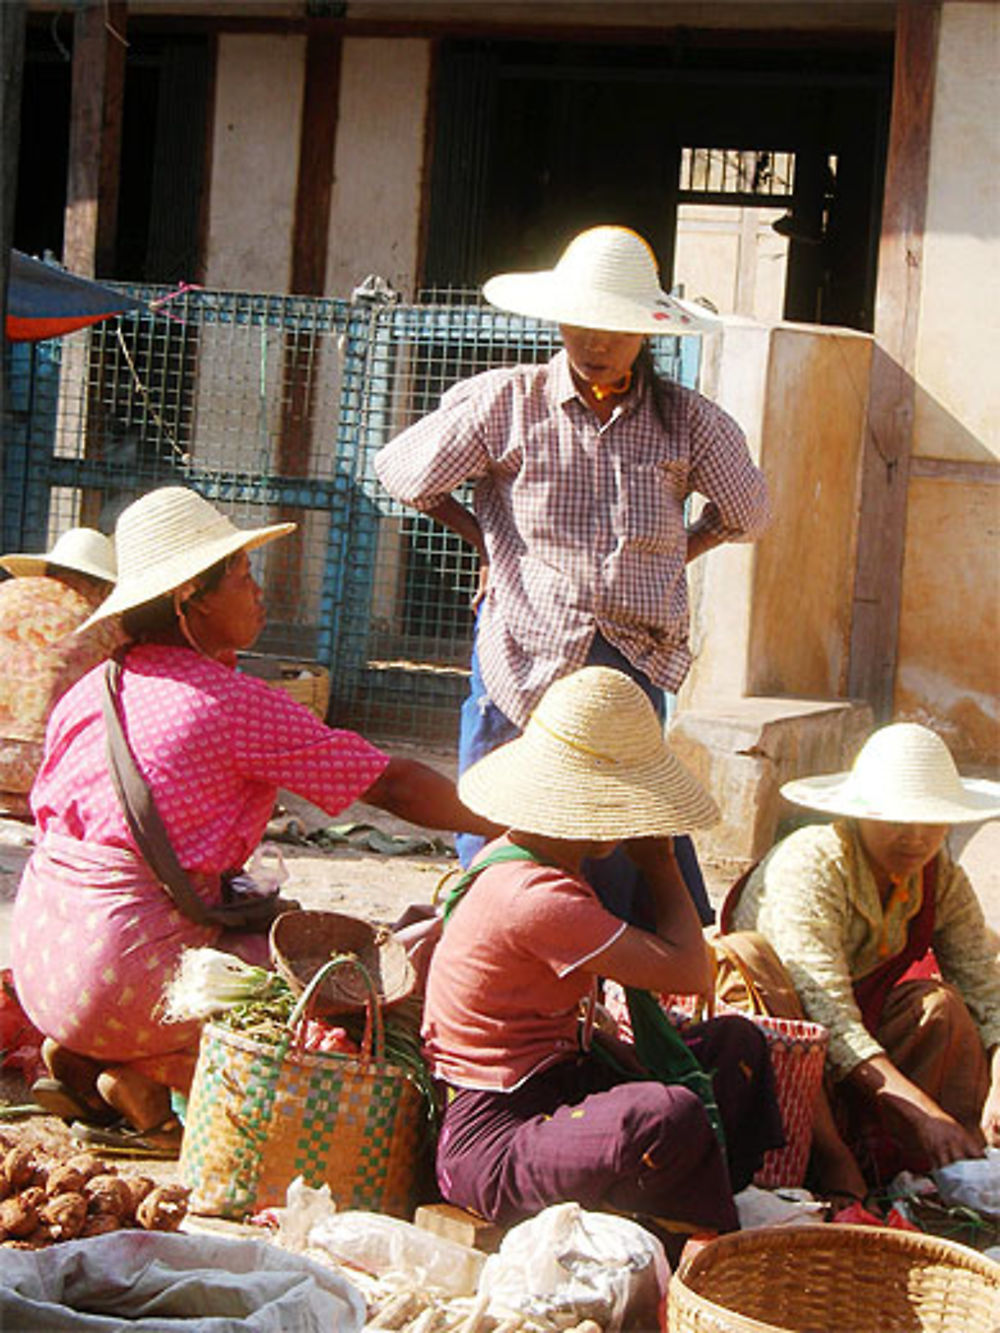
82	549
903	774
166	538
592	763
606	279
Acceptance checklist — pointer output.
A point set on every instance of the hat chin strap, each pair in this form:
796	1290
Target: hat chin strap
181	596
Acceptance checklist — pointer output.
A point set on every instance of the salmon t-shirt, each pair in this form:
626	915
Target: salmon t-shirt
505	982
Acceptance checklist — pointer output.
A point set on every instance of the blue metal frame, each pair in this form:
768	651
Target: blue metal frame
370	335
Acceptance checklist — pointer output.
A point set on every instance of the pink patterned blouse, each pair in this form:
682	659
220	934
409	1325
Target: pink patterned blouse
94	937
214	747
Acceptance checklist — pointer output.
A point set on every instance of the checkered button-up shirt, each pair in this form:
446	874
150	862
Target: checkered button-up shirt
583	523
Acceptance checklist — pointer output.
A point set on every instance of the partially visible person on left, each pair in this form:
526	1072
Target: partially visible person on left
95	933
46	600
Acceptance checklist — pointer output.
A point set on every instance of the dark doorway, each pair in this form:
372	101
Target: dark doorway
536	140
164	133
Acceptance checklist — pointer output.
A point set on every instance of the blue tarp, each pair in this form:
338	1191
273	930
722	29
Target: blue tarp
44	301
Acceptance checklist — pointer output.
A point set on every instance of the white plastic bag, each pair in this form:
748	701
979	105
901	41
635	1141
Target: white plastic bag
972	1183
778	1208
374	1242
382	1245
162	1283
572	1265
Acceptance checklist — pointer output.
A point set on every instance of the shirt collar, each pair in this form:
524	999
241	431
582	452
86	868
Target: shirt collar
562	388
868	899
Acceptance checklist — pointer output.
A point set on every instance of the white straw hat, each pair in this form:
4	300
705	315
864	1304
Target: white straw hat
83	549
904	774
606	279
592	763
169	536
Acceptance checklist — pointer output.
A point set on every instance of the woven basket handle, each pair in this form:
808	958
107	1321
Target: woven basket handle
757	1003
373	1042
705	1009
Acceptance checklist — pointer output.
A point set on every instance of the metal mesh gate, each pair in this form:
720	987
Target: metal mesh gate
273	408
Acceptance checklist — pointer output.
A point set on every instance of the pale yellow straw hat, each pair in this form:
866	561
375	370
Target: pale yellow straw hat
84	550
904	774
592	763
606	279
169	536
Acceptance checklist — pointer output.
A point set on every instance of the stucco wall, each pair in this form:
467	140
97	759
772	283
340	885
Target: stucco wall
255	148
948	670
958	410
949	645
804	568
375	212
773	617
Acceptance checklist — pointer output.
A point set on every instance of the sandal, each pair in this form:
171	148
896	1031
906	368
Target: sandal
164	1141
57	1098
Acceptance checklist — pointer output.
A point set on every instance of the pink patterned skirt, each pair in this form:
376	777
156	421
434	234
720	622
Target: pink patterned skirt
95	939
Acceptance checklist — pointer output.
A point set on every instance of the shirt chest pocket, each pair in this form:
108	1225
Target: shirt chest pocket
651	506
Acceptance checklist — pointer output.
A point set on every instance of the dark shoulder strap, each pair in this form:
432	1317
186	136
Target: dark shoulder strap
140	810
459	889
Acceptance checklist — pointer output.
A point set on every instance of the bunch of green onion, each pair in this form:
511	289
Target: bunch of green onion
208	982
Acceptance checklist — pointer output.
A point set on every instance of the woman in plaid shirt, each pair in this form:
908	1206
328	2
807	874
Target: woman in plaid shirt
581	469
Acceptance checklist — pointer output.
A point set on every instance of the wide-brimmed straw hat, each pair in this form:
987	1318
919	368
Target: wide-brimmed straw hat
84	550
904	774
593	764
301	942
606	279
169	536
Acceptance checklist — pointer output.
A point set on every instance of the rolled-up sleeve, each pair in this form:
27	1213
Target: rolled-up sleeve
966	950
723	471
427	461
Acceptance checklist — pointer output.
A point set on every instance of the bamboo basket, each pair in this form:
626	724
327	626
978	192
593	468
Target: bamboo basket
307	682
834	1279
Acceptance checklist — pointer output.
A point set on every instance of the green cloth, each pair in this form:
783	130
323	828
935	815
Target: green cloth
461	886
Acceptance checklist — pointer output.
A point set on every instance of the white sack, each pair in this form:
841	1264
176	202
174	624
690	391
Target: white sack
156	1282
566	1262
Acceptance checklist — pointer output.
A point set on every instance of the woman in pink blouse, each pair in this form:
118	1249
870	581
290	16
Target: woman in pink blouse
95	934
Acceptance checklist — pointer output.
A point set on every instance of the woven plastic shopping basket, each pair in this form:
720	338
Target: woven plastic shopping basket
834	1279
260	1114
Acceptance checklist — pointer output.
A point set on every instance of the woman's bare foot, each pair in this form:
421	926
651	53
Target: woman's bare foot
140	1100
78	1073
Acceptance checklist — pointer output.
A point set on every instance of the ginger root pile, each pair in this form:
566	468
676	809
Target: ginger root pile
46	1199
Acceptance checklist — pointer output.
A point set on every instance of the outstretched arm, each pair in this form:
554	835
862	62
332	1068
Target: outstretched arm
418	793
990	1122
942	1138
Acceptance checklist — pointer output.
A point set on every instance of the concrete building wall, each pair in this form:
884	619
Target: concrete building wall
734	257
803	578
958	411
378	189
948	671
258	110
773	617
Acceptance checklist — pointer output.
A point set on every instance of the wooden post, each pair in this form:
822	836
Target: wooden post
886	458
302	352
95	138
12	15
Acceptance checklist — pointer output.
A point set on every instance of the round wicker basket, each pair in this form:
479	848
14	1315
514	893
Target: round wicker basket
302	941
834	1279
